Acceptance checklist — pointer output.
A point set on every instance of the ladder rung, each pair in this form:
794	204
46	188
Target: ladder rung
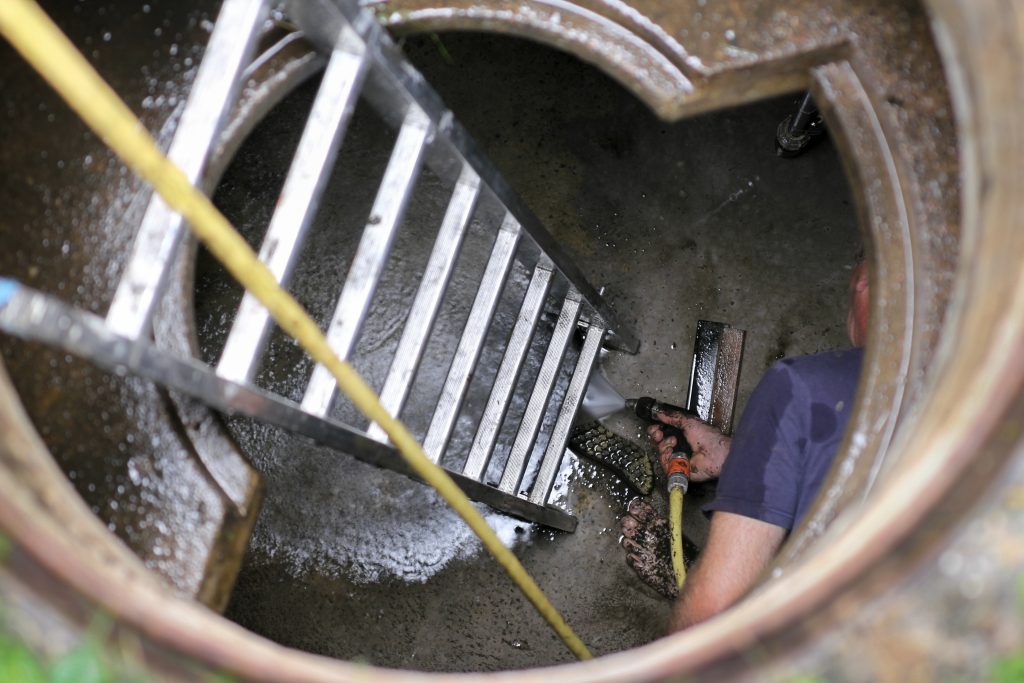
472	340
555	450
216	84
508	373
363	275
519	456
428	297
314	159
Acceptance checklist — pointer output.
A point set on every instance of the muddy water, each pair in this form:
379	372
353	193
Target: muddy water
682	222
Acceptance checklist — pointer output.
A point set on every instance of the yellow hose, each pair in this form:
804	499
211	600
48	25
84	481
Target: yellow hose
675	525
46	48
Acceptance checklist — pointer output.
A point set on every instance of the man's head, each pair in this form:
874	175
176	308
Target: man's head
857	317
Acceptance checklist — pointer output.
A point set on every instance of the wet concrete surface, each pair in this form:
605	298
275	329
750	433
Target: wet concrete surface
70	212
679	222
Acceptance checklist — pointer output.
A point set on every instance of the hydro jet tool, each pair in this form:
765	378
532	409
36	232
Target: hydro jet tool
677	471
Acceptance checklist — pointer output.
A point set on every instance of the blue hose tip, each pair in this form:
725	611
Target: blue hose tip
7	289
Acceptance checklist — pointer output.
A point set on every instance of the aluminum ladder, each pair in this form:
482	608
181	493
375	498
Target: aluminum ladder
362	61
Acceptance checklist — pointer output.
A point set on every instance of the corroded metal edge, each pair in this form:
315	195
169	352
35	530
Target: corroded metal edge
944	440
648	45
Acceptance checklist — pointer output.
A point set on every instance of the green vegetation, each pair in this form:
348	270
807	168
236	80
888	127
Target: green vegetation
1008	669
18	663
219	678
441	49
90	662
87	663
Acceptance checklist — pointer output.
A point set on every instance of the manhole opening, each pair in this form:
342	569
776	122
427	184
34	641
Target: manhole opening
679	222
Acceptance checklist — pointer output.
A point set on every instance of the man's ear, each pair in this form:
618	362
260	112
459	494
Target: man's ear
860	278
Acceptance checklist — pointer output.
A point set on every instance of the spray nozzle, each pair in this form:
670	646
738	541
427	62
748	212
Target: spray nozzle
646	408
678	471
678	467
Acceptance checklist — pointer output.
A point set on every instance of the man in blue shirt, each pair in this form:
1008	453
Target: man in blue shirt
769	472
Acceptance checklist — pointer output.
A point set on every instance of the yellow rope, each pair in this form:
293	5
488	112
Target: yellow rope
46	48
675	525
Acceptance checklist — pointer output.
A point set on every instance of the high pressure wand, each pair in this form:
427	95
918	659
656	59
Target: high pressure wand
677	471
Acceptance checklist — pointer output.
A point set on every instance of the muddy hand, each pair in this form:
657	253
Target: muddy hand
645	537
710	446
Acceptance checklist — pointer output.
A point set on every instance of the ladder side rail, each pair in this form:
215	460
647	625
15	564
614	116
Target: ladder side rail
35	316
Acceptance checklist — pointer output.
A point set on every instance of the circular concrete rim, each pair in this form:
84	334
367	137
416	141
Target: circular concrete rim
944	440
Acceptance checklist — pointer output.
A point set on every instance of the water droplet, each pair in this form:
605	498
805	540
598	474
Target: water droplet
107	37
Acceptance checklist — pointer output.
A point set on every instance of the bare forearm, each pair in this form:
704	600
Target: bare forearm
738	551
700	599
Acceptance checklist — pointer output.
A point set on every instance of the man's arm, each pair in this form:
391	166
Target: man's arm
738	549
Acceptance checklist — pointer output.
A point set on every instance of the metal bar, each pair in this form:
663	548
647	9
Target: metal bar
702	372
522	447
363	275
310	169
804	115
472	340
727	375
508	372
428	297
216	85
32	315
555	450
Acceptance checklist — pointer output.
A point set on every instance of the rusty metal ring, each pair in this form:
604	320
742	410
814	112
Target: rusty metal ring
939	459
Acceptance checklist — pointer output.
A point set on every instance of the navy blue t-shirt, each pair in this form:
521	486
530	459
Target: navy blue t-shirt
788	436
